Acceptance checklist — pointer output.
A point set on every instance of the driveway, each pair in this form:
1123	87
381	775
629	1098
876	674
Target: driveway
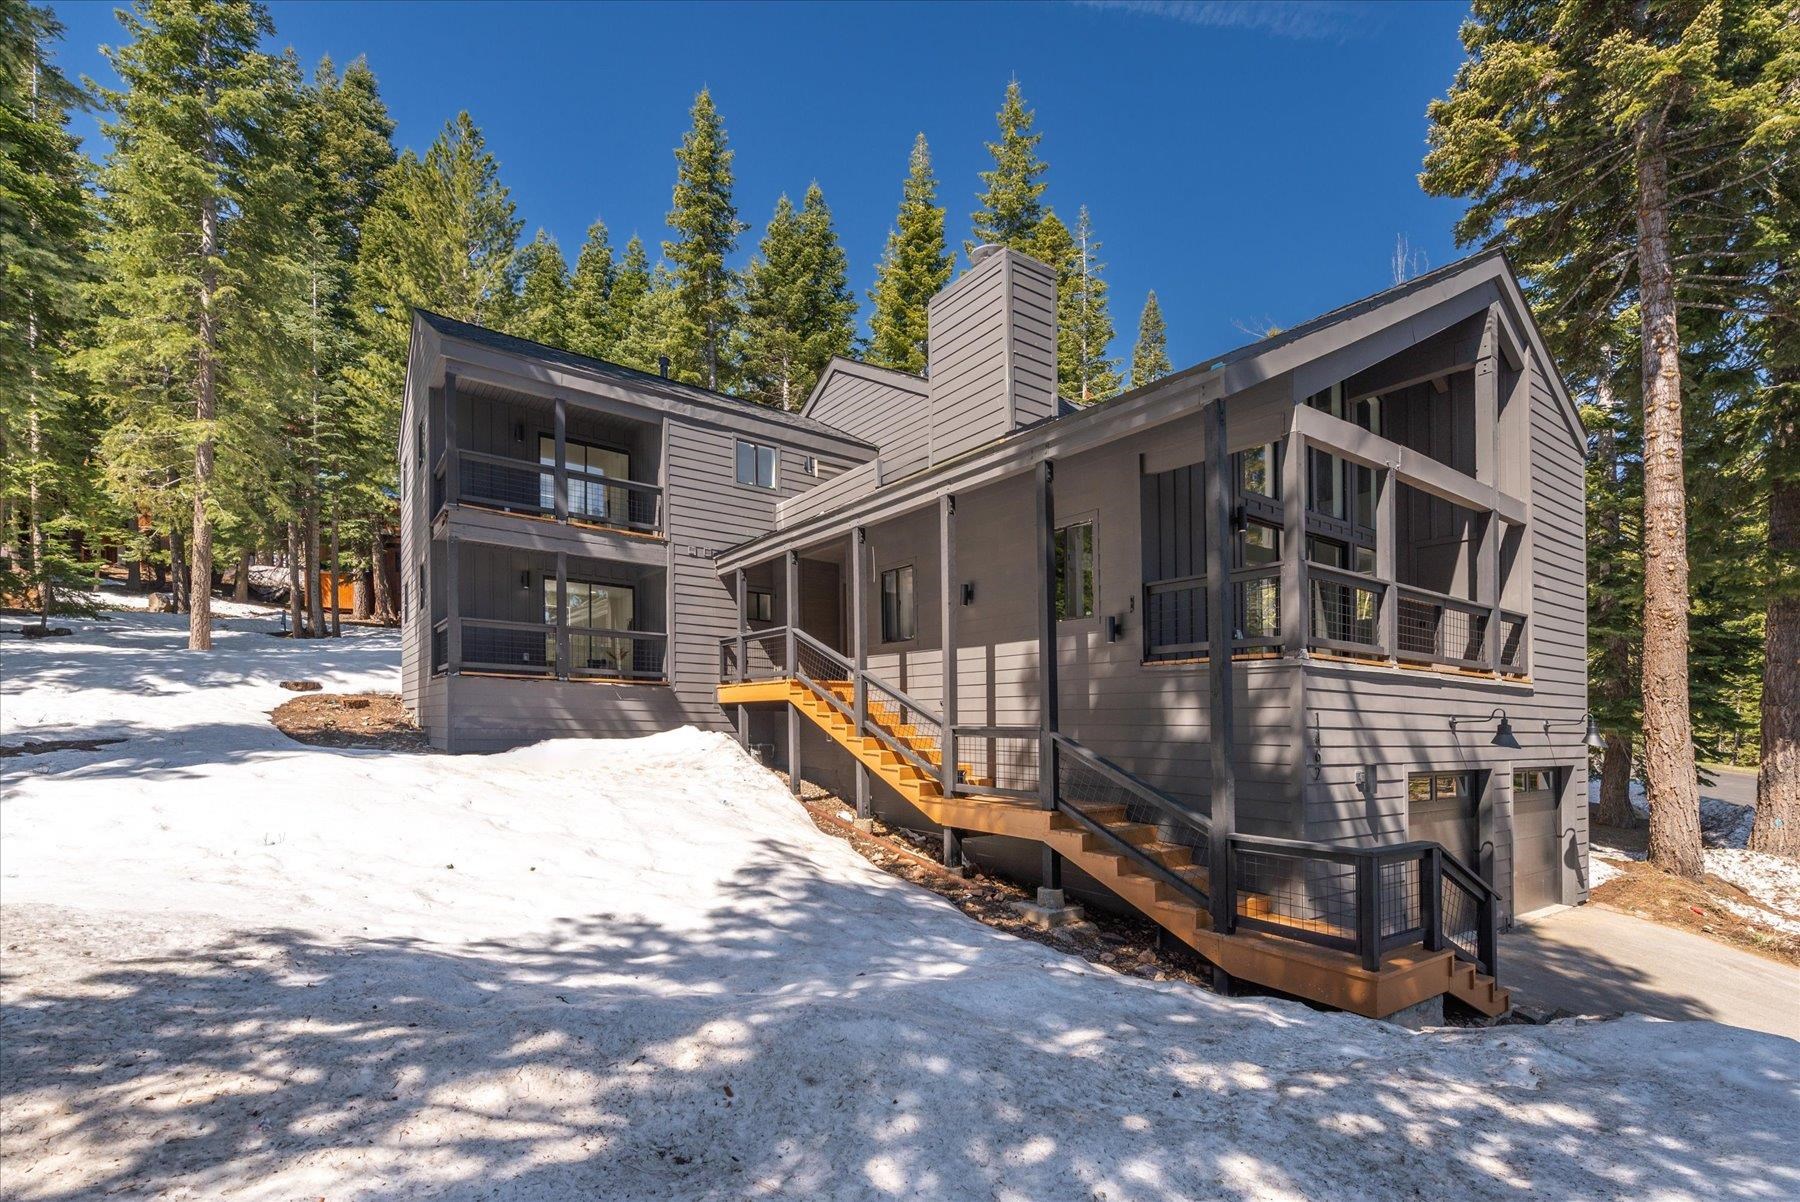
1592	960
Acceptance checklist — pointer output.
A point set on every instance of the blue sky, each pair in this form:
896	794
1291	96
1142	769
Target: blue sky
1253	163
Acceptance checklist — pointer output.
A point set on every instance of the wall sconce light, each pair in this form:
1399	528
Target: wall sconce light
1503	734
525	580
518	431
1113	625
1594	740
968	592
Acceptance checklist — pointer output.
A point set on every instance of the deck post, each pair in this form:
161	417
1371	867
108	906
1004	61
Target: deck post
743	625
452	460
953	850
1047	652
452	608
1052	873
562	615
1368	911
947	605
1295	607
1387	561
790	585
1220	616
859	647
1431	898
1487	587
562	460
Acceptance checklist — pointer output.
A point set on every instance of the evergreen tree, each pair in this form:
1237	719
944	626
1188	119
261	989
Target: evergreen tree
653	331
706	229
541	310
591	318
1606	146
1150	355
630	290
1084	323
1012	204
46	422
190	128
913	269
799	310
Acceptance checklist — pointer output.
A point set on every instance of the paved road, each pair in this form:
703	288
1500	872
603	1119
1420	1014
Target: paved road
1736	785
1592	960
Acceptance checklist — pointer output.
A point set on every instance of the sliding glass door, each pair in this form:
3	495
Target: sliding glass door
594	607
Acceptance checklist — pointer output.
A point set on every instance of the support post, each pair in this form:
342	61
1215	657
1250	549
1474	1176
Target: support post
1048	696
953	850
1368	912
562	460
743	726
452	606
1387	561
1052	871
1431	898
743	625
562	615
859	647
337	615
1219	614
1487	402
947	606
1487	588
452	458
790	587
1296	611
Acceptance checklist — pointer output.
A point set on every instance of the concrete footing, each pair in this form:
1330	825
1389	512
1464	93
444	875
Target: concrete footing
1428	1013
1050	910
864	825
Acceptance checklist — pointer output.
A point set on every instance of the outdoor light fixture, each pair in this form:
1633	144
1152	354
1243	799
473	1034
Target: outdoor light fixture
525	580
1503	734
968	592
1595	741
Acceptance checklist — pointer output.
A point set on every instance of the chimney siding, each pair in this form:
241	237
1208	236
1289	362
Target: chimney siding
993	352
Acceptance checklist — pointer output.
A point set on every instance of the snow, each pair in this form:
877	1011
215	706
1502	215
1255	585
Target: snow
1722	823
239	966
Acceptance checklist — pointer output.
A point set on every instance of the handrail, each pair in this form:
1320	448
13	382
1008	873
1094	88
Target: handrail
1438	598
1068	750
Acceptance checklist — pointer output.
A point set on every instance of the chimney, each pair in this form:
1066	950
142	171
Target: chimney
662	366
992	350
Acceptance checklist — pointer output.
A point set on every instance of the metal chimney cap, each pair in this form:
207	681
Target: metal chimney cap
984	251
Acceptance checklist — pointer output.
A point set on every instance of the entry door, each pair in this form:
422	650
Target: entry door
1440	806
1537	841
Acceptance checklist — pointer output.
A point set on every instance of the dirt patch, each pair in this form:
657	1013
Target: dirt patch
1651	893
45	746
376	721
303	686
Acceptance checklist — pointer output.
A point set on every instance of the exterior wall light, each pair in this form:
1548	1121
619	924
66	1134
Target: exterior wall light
1503	734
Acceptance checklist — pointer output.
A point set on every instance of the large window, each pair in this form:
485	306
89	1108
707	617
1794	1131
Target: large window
1259	471
588	497
898	620
1075	571
594	607
755	464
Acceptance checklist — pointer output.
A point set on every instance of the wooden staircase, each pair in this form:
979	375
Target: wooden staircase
1406	976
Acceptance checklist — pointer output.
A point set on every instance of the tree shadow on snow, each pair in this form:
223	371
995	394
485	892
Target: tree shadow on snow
807	1036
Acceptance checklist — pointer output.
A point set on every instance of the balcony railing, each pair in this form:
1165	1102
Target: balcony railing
522	486
1438	629
1346	611
1175	614
531	649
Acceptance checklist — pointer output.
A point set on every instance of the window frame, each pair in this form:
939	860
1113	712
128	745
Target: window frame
1091	581
740	445
759	605
902	624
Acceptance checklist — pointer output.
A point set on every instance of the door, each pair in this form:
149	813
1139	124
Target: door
595	607
1440	806
821	584
589	498
1537	841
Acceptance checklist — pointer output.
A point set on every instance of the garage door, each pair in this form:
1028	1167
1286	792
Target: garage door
1537	841
1440	806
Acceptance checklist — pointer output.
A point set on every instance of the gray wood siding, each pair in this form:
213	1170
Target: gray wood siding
993	353
896	419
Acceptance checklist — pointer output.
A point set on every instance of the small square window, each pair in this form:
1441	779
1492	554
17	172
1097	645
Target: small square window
1075	571
761	606
1259	471
898	621
1258	544
755	465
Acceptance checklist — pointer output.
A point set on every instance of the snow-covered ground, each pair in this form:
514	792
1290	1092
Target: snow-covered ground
1771	880
235	966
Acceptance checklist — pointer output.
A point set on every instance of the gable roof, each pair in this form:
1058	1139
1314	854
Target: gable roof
843	365
630	377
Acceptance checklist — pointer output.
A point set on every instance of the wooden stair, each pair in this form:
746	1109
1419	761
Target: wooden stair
1406	977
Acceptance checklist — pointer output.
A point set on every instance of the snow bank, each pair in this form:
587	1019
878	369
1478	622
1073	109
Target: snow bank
238	966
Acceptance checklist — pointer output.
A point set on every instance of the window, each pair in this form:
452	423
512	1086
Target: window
590	497
419	588
1259	471
419	442
1437	786
1537	780
755	465
1258	544
897	618
1075	571
760	606
594	607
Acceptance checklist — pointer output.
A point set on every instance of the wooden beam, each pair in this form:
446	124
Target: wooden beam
859	648
452	605
742	590
562	460
1487	401
1387	560
948	603
1349	441
790	587
452	465
1220	619
1295	612
1048	697
562	614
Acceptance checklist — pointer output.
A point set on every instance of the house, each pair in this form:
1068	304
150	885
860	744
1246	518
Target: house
1372	523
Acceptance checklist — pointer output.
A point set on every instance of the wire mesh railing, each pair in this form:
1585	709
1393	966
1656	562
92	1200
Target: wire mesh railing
501	646
1346	611
1089	785
1175	614
526	486
1512	642
1439	629
998	760
909	728
1258	618
616	654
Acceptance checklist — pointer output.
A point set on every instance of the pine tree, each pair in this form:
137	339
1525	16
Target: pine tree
1012	205
799	310
1084	324
913	269
630	290
46	423
706	229
1150	355
654	330
1605	145
541	310
591	327
190	127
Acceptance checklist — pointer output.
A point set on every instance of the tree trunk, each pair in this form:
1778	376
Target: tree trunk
337	620
1615	785
296	613
240	586
34	512
1669	772
364	601
384	606
315	612
178	570
1777	826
